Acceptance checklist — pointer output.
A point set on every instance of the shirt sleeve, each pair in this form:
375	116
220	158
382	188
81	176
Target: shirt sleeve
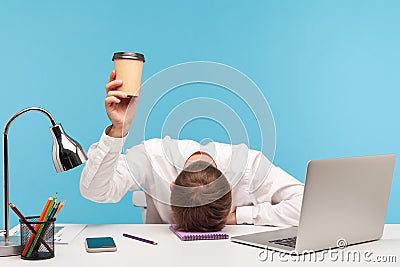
276	196
106	176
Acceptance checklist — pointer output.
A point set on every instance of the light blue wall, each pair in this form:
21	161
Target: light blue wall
329	70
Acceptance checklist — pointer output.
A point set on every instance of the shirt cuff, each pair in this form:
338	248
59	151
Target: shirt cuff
244	215
111	144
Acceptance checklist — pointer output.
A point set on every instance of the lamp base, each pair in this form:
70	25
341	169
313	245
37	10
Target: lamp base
11	248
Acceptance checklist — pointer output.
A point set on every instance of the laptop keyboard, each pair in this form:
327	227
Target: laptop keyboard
289	242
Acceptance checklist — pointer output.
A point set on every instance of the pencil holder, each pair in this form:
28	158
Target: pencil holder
37	238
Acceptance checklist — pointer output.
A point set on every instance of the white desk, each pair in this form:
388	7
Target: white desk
170	251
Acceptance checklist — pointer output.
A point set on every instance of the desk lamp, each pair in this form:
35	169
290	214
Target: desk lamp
66	153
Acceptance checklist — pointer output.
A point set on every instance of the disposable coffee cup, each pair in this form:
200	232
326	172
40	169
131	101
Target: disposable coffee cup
128	68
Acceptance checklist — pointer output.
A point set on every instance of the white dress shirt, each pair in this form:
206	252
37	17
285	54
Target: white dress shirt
262	193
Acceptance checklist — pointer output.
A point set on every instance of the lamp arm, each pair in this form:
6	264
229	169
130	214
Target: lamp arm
52	120
5	161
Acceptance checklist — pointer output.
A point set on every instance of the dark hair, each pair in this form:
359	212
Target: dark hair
201	198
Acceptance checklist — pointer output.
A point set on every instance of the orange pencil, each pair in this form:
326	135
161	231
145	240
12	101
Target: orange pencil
60	207
32	237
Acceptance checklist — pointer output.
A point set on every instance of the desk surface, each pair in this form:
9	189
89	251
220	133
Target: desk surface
170	251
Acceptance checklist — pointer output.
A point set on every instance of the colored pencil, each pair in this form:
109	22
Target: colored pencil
23	219
139	239
53	212
60	207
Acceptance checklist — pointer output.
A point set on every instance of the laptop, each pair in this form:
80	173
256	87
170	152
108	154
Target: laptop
344	203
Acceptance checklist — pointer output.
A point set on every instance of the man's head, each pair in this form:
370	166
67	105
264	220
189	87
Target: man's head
201	198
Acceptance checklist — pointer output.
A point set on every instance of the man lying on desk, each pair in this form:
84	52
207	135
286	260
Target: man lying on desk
197	187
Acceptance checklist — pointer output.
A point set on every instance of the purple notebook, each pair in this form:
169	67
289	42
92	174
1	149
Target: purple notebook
191	236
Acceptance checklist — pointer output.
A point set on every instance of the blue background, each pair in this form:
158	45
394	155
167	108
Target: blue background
329	70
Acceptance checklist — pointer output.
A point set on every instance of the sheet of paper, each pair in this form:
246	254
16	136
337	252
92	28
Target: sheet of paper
66	233
13	231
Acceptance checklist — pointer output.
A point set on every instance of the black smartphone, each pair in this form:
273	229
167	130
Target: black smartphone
100	244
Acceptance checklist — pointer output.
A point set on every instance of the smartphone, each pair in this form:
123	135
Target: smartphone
100	244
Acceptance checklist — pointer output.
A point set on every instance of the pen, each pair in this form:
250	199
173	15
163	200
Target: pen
140	239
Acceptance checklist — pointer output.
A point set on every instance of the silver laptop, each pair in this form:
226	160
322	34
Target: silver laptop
344	203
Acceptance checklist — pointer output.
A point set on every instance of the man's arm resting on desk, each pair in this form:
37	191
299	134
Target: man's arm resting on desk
277	201
286	212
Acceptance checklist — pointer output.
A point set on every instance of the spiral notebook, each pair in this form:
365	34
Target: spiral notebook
191	236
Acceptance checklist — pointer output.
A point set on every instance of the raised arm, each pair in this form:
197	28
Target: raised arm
106	176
